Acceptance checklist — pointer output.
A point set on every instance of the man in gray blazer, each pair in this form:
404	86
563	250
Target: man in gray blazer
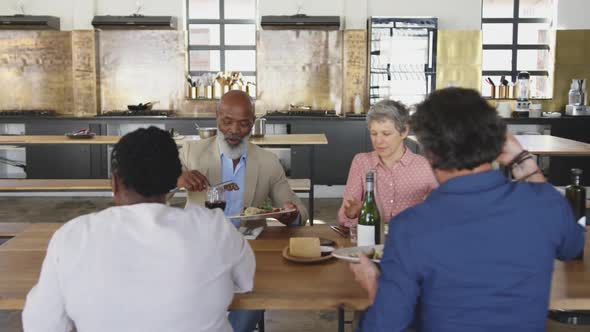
229	156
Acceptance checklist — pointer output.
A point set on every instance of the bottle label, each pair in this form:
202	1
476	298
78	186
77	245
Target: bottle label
582	221
370	186
365	235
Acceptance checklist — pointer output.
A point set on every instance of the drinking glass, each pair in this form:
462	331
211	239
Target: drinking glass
215	198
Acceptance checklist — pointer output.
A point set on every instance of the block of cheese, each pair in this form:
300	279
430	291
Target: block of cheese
308	247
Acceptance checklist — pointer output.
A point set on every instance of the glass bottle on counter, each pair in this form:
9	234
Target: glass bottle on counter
369	221
576	195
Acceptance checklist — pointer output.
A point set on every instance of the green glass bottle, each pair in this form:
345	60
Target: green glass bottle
369	222
576	195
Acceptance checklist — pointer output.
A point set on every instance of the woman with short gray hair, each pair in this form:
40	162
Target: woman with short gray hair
403	178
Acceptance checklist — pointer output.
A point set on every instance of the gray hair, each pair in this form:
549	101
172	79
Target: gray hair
390	110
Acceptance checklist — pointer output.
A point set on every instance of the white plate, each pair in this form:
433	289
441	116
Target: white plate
80	135
344	253
262	215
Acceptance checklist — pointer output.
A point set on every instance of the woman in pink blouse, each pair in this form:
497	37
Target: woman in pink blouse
403	177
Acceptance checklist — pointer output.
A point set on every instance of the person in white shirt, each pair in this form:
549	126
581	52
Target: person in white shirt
142	265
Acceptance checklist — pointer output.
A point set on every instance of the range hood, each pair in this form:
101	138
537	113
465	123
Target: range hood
300	21
29	22
135	22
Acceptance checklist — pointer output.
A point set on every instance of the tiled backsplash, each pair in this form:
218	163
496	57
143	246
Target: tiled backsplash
36	70
137	66
80	73
301	67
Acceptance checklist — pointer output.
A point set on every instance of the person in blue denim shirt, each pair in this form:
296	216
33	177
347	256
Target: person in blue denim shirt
478	253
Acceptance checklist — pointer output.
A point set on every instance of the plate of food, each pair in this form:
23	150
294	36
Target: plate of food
307	250
81	134
351	254
254	213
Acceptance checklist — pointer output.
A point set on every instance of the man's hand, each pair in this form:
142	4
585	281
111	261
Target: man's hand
192	181
366	274
288	218
510	150
527	170
352	208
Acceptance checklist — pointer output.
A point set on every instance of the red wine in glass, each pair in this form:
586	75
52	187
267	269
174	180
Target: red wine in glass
215	205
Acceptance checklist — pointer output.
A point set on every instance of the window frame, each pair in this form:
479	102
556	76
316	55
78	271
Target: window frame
515	21
222	47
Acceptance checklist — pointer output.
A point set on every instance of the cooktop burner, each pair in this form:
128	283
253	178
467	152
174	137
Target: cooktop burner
27	113
137	113
302	113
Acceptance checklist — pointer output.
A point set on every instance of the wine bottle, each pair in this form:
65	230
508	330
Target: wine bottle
369	222
576	195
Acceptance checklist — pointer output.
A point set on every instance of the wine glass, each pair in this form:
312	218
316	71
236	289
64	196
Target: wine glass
215	198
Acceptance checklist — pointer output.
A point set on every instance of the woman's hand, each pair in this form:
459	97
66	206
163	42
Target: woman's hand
352	207
366	274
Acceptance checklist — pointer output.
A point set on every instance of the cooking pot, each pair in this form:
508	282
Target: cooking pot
259	128
142	107
206	132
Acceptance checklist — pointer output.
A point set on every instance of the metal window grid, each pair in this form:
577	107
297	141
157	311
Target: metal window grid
222	47
515	20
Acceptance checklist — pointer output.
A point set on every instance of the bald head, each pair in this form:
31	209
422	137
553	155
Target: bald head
235	116
237	101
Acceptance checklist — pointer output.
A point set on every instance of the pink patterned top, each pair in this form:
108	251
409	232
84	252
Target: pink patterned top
404	185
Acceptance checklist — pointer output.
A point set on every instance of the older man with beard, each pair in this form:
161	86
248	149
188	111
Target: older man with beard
229	156
258	173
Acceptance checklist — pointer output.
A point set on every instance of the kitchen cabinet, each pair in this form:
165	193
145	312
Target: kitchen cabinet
59	161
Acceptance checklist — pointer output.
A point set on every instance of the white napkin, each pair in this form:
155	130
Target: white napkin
254	232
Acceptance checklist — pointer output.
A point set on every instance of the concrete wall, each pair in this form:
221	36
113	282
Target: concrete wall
573	15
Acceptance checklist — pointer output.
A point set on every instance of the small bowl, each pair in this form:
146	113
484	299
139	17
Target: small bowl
207	132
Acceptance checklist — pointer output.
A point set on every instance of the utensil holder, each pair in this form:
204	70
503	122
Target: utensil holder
513	92
215	88
492	92
249	90
200	92
502	89
192	94
209	91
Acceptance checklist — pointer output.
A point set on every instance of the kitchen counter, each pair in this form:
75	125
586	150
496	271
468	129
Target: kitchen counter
268	140
11	119
346	137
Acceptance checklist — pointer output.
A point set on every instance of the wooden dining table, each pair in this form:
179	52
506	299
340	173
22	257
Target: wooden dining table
278	284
